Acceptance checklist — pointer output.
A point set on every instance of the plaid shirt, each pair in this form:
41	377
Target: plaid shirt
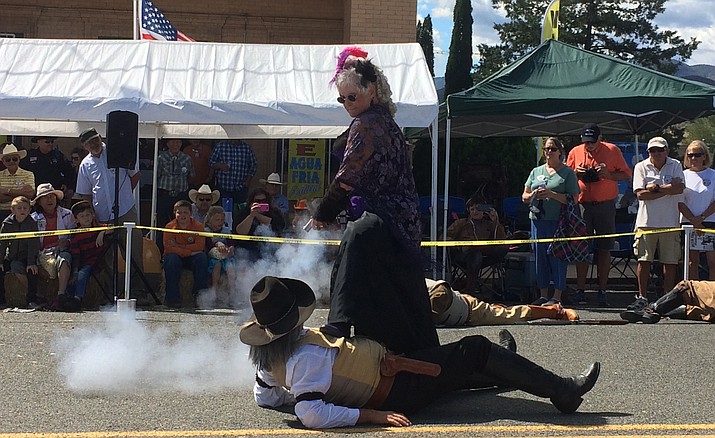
241	164
174	171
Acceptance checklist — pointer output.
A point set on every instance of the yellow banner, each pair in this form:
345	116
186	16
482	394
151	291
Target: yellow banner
550	29
306	169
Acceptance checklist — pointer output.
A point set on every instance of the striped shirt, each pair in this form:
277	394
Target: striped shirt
84	250
19	179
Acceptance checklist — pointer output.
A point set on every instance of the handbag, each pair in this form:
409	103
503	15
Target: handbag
570	224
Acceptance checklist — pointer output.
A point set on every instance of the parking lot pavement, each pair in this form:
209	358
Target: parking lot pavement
186	374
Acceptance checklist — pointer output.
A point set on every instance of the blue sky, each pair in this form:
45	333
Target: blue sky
690	18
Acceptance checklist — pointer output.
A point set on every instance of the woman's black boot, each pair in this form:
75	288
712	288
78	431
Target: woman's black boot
514	371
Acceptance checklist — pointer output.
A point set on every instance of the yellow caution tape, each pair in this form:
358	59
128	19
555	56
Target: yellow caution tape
30	234
333	242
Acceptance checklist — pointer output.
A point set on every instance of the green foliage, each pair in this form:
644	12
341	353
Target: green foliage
426	40
516	156
702	129
457	75
620	28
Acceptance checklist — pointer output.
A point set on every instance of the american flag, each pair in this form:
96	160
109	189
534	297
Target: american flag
154	26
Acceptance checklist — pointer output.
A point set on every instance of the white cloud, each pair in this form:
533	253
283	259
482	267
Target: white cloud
690	18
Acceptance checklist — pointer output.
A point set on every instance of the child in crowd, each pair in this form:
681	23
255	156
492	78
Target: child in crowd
21	253
86	248
184	250
219	249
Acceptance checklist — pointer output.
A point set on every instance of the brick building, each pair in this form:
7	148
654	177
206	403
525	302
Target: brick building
232	21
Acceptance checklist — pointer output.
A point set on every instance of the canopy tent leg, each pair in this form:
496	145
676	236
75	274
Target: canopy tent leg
154	179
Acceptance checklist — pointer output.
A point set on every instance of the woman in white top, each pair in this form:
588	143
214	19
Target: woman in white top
698	205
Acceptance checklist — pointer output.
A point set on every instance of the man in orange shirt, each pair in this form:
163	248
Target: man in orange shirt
182	250
598	166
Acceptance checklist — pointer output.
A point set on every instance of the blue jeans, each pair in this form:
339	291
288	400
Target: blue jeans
173	264
548	267
80	286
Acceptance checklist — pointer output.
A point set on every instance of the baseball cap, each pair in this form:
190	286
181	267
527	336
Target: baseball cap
657	142
590	133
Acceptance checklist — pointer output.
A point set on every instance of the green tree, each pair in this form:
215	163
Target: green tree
457	75
426	41
701	129
620	28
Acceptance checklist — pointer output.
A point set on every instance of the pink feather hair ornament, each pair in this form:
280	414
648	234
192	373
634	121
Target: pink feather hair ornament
352	52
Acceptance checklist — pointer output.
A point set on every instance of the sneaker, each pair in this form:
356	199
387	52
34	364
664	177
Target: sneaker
56	305
639	304
579	297
602	299
540	301
552	301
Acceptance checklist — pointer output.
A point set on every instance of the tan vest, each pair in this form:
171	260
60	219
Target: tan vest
356	371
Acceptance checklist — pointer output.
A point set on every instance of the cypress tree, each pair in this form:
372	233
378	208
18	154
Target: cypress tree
457	76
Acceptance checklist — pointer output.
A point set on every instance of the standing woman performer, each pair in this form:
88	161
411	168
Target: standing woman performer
549	184
377	284
698	205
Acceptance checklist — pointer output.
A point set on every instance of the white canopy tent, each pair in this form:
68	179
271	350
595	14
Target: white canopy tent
198	90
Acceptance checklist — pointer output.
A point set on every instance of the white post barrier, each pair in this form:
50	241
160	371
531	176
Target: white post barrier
686	255
127	306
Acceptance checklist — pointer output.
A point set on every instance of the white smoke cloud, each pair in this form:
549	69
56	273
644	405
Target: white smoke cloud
128	355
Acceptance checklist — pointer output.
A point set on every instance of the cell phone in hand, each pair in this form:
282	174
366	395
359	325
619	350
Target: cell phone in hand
263	208
484	207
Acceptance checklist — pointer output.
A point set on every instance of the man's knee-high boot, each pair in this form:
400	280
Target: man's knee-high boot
515	371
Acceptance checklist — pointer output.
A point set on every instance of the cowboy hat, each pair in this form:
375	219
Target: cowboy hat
302	204
279	306
204	190
47	189
273	178
87	135
11	149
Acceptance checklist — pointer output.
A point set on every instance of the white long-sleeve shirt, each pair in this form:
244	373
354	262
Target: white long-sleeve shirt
309	369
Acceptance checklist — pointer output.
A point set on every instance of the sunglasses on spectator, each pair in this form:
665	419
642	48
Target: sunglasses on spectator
203	199
11	159
551	149
259	199
47	141
350	97
695	155
656	149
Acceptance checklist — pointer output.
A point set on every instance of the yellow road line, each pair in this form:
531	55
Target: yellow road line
638	429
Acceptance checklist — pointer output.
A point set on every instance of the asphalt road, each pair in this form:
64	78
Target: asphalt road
169	374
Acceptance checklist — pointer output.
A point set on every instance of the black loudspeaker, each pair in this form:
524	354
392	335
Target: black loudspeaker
122	138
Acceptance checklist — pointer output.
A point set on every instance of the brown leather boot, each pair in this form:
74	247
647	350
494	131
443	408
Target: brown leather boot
554	311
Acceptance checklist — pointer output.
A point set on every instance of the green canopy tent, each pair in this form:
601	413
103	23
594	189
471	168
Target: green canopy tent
557	88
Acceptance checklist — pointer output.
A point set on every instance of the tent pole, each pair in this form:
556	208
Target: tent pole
448	141
154	179
433	192
135	19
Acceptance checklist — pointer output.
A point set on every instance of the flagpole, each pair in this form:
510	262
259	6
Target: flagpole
135	19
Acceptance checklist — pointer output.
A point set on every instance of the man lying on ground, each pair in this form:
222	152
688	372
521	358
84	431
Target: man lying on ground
451	308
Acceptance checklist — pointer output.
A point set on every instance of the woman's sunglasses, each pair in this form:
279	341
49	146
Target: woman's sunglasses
695	155
551	149
350	97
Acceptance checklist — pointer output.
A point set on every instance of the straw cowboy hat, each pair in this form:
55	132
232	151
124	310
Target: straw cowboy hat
279	306
204	190
273	178
47	189
11	149
302	204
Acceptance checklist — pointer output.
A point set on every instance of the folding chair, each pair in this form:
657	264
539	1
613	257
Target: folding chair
622	255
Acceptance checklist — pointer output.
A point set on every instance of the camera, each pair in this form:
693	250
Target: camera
263	208
590	176
486	208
